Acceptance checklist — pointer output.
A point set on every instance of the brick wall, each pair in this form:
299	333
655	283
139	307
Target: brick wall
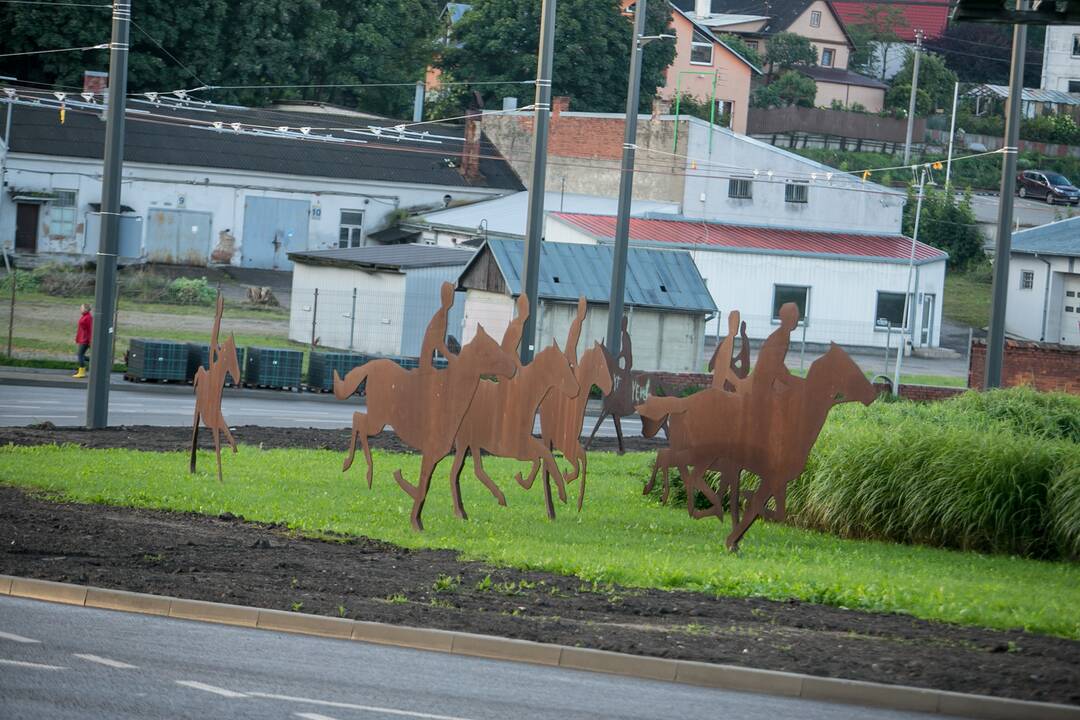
677	383
921	393
1043	366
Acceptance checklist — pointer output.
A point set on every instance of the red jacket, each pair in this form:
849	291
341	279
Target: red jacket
85	330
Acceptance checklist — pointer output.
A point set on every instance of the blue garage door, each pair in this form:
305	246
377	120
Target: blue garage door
272	228
178	236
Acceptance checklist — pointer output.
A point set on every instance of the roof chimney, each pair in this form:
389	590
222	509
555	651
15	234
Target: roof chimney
470	151
559	105
702	8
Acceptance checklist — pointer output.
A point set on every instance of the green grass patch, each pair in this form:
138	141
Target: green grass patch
967	298
619	538
8	361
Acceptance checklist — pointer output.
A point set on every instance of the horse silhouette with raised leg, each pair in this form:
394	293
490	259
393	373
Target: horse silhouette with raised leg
208	385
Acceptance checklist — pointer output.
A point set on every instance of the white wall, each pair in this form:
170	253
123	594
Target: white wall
842	297
380	307
842	203
492	310
1038	313
219	192
1059	65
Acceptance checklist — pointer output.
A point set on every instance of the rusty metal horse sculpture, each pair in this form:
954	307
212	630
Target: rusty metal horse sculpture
208	385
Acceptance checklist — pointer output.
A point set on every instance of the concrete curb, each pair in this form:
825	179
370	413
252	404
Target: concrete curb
53	381
720	677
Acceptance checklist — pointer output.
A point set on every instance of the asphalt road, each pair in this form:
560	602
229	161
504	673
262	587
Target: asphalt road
68	662
1027	213
24	405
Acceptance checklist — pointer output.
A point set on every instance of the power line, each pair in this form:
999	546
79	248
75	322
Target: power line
171	56
55	4
102	46
351	85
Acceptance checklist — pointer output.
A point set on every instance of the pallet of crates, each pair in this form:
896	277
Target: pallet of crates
321	367
273	368
156	360
199	356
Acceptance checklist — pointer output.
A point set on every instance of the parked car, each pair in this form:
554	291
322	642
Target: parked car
1049	186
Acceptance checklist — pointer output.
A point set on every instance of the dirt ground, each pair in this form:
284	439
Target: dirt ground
227	559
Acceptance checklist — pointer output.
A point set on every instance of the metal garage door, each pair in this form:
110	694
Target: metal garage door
130	245
181	237
1070	318
272	228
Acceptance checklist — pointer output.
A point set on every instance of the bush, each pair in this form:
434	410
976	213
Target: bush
191	291
25	281
144	286
63	280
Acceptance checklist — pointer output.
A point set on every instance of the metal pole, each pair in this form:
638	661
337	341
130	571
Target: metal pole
418	102
995	341
626	189
888	346
952	135
907	288
11	311
802	348
97	396
352	320
314	316
911	102
535	232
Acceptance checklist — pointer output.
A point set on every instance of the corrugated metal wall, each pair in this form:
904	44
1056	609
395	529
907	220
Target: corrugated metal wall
422	298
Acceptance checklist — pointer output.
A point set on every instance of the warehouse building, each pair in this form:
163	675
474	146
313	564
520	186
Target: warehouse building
1044	283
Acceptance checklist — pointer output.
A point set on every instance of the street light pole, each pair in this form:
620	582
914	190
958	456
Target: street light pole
97	396
952	135
914	92
995	342
535	231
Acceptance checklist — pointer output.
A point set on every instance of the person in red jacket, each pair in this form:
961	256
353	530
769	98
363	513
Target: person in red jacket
83	332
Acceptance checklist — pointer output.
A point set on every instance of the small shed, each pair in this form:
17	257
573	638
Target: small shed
375	300
1044	284
666	300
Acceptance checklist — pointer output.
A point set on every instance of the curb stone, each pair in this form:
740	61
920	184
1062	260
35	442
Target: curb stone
720	677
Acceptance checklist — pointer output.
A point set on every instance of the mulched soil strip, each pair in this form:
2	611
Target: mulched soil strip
225	559
150	437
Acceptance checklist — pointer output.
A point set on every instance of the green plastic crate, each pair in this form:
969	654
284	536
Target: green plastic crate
273	367
199	356
321	367
149	359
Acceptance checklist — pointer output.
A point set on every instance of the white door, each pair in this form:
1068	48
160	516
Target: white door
927	320
1070	317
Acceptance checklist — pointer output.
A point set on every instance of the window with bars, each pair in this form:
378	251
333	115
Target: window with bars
351	232
701	49
740	188
797	192
62	214
815	18
1027	280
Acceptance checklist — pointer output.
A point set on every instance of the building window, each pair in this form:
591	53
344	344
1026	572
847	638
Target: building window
752	44
889	310
815	18
741	188
797	192
828	55
1074	86
351	233
62	214
700	49
784	294
1027	280
1076	46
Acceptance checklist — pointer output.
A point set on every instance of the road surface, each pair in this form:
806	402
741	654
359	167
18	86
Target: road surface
1026	213
62	662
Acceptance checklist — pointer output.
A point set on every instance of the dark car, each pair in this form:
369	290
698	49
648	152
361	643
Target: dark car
1049	186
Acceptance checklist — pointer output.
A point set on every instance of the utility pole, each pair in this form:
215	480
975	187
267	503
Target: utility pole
952	135
97	396
914	92
418	102
905	321
995	342
535	231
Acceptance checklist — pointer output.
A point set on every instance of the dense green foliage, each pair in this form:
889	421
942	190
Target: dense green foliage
617	538
497	40
73	281
791	88
247	42
786	50
948	223
874	36
980	52
936	80
739	45
1057	128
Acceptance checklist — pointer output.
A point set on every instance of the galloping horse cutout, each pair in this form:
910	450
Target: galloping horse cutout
425	406
562	417
766	427
208	385
502	415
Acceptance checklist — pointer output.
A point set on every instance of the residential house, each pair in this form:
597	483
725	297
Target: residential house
849	286
990	99
1044	283
228	185
1061	59
373	300
816	20
666	301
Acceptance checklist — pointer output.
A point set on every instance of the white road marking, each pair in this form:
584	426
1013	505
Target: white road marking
211	689
105	661
313	716
40	415
17	638
351	706
37	666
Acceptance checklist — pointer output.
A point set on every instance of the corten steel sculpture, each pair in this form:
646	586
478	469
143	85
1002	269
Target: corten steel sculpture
425	406
562	417
502	416
627	390
766	426
740	365
208	386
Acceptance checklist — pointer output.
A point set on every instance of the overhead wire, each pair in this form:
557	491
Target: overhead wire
100	46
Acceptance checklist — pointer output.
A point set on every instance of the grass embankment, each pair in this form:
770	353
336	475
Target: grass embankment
967	298
619	538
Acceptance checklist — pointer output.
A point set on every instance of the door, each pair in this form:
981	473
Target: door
1070	318
26	226
180	237
927	333
273	227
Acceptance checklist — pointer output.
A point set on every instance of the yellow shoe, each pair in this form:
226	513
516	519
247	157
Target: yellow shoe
80	373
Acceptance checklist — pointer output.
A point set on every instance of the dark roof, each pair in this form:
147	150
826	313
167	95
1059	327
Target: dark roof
843	77
38	131
781	13
1056	238
662	279
385	257
710	34
395	234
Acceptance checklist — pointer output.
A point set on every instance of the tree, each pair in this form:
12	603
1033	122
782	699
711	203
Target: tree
980	52
947	223
874	35
791	88
899	98
935	79
739	45
786	50
497	40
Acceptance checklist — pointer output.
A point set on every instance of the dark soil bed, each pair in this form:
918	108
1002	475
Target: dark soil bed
226	559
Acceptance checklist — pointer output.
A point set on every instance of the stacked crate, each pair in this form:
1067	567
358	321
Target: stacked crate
149	359
273	367
199	356
321	367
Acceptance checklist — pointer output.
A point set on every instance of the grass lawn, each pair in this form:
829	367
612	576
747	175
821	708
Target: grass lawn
967	300
620	536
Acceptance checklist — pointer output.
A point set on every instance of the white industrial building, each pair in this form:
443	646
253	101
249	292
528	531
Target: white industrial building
374	300
196	191
1044	283
1061	59
849	287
